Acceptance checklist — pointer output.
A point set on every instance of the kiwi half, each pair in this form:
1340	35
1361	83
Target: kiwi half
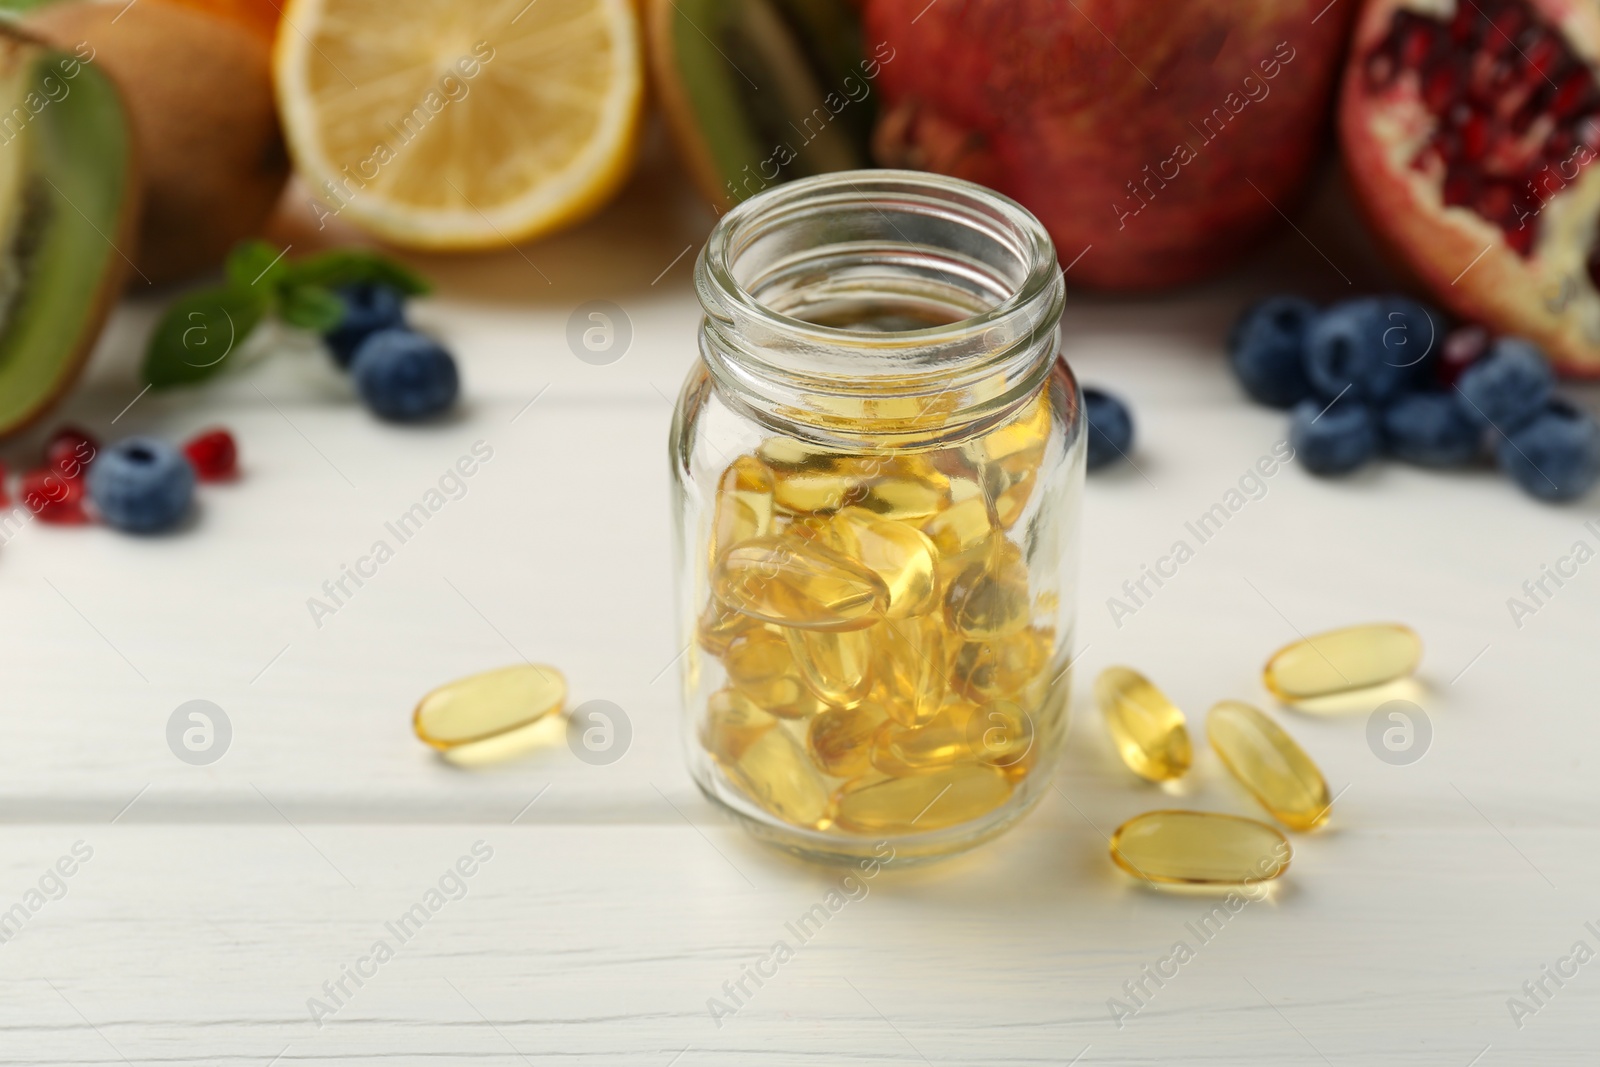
759	92
67	204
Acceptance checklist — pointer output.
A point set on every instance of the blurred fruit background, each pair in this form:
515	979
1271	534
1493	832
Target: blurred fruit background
1434	152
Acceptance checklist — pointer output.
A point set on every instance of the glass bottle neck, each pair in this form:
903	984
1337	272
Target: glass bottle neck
903	307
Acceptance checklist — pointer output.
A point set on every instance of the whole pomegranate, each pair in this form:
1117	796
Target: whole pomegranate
1468	129
1156	141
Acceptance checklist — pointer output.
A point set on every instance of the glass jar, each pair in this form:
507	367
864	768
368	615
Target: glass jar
878	463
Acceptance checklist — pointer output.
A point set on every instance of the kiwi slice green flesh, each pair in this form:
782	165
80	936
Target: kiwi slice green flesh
66	203
759	92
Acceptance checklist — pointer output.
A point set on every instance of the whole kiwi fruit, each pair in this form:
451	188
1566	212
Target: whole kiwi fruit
199	89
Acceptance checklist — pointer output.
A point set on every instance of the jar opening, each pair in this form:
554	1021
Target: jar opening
830	299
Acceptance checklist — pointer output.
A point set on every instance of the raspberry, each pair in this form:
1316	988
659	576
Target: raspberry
53	498
70	451
213	454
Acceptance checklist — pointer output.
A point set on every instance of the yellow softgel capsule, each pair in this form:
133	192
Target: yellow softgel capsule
719	624
903	487
1199	848
871	805
988	670
835	664
899	554
988	598
961	528
790	582
807	480
481	706
905	750
761	665
1000	734
909	673
1147	728
1269	763
776	774
840	739
1018	445
1357	657
743	506
733	723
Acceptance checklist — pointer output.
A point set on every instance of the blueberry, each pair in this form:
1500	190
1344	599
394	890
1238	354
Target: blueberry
403	375
1110	427
368	307
1267	348
1372	347
1336	440
141	484
1429	429
1507	387
1554	456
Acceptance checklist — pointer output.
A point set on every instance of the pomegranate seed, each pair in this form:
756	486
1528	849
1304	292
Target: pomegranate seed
1571	89
1475	138
1543	54
1415	45
53	498
213	455
1461	349
1464	27
70	452
1460	188
1439	88
1520	238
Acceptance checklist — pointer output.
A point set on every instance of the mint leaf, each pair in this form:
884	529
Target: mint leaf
256	264
199	331
310	307
346	266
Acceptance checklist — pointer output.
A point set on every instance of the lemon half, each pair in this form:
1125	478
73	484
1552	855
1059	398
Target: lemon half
458	125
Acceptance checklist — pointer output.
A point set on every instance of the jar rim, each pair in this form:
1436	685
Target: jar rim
1034	245
836	241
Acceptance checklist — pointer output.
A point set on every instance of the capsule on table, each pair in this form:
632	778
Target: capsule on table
761	665
835	665
988	598
790	582
1199	848
1357	657
923	802
899	554
1147	728
909	674
733	723
905	750
481	706
776	774
840	739
1269	763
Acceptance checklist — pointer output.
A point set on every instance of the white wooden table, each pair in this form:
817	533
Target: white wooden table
219	899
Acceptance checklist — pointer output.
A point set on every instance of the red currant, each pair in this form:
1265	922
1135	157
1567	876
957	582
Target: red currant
70	452
53	498
213	454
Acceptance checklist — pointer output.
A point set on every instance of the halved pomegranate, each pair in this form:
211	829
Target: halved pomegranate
1468	128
